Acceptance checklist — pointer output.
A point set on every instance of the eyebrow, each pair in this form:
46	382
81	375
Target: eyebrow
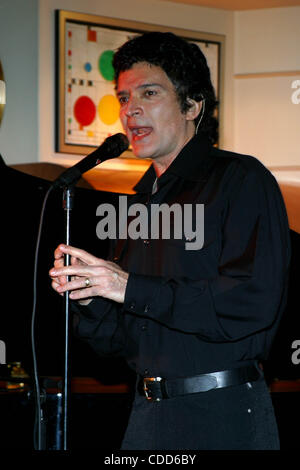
144	85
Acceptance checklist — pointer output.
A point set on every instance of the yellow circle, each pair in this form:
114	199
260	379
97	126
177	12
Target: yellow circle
108	109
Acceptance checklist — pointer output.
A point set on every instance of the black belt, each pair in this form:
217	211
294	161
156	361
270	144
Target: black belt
157	388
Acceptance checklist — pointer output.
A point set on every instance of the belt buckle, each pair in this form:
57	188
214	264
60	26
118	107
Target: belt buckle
147	391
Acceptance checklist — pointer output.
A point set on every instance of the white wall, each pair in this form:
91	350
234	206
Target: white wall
267	122
19	57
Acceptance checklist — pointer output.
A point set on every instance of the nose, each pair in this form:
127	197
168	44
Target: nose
133	108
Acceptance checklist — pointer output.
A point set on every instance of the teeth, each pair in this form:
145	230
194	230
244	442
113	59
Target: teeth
140	130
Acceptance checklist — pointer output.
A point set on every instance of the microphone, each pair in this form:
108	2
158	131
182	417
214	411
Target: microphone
112	147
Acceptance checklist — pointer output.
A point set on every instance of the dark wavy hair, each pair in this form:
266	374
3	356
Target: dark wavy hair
185	65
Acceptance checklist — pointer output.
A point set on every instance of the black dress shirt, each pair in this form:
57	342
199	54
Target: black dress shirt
193	311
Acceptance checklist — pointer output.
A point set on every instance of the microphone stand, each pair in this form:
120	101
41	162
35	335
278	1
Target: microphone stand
113	146
68	200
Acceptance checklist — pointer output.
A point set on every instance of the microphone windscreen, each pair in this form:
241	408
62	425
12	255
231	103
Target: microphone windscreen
116	144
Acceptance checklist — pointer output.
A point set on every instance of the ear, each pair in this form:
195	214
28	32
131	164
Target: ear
194	109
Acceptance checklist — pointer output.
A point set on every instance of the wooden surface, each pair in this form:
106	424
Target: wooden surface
90	385
47	171
285	73
285	386
121	179
128	172
114	181
291	196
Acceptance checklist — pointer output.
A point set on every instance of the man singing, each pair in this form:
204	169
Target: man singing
194	324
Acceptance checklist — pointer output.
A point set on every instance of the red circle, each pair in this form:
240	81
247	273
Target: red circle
84	110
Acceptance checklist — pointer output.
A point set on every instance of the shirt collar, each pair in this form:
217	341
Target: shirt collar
192	163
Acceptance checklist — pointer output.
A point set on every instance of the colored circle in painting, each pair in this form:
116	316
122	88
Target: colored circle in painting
105	65
87	66
84	110
108	109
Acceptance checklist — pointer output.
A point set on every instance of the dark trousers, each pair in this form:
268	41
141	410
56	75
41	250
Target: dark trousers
232	418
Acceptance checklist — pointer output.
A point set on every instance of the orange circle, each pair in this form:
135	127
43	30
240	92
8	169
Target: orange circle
108	109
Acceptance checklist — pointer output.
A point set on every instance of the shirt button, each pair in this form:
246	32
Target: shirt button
146	309
146	372
144	327
132	306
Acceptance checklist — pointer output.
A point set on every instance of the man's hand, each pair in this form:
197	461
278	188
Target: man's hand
89	276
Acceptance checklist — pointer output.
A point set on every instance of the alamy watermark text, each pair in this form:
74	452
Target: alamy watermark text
156	221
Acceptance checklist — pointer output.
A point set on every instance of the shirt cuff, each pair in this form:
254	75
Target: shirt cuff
141	294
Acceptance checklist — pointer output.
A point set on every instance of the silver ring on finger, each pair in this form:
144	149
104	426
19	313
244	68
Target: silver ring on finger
87	282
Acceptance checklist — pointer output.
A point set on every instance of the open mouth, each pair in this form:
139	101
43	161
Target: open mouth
139	133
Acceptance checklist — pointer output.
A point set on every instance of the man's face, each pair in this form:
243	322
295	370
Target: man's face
150	113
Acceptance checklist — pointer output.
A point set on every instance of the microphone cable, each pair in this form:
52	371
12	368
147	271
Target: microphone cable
38	435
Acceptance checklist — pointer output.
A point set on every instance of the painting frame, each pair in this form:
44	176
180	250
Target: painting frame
63	18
